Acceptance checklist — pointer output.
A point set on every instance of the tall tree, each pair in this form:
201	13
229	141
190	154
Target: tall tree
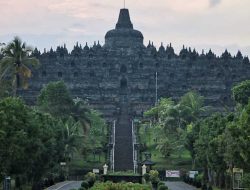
16	64
30	142
241	92
192	105
55	99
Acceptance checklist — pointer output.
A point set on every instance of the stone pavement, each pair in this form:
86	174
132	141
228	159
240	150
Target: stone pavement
66	185
179	185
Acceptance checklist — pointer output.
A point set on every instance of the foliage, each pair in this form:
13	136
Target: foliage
30	141
246	181
56	100
72	137
154	176
85	184
146	176
97	133
90	176
162	187
15	64
123	173
165	147
84	129
241	92
119	186
170	121
220	142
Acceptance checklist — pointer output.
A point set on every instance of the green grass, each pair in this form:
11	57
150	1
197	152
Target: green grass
175	161
87	162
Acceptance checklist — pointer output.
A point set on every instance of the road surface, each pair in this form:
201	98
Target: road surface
178	185
66	185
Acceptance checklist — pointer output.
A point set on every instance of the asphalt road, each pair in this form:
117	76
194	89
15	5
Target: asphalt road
66	185
179	186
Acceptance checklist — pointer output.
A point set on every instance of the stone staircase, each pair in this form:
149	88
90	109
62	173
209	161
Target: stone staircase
123	156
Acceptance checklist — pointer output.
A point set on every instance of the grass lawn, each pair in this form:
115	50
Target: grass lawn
87	162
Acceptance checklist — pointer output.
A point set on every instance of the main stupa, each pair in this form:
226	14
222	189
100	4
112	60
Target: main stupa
124	35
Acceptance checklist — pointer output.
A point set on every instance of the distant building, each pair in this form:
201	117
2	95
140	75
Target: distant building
125	70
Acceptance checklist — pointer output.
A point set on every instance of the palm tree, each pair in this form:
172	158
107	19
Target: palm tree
192	105
72	137
15	64
81	113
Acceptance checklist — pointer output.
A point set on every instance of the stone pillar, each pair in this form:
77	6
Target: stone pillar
144	169
105	169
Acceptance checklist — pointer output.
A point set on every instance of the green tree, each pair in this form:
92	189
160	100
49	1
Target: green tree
210	148
192	105
165	147
30	142
56	100
241	92
72	138
16	62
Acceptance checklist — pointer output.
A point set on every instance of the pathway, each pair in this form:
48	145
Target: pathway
66	185
178	185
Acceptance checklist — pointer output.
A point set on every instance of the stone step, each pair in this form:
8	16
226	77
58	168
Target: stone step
123	141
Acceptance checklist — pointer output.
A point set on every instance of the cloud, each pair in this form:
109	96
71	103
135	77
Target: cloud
213	3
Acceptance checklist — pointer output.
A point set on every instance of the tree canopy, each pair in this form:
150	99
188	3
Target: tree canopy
16	63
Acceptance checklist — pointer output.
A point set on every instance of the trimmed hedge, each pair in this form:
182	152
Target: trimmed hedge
120	186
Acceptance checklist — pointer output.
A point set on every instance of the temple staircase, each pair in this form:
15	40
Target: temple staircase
123	152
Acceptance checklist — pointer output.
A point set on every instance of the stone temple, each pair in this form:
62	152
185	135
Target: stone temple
123	78
125	70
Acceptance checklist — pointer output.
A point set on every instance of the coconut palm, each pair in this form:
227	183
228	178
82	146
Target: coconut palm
15	64
192	105
72	137
81	113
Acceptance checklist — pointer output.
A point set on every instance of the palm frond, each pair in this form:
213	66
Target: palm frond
30	61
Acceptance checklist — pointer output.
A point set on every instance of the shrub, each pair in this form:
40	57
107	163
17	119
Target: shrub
90	178
161	183
154	176
120	186
162	187
146	177
85	184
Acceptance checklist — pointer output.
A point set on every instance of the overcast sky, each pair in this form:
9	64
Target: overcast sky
201	24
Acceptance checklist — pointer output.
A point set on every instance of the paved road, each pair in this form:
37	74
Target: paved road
66	185
179	186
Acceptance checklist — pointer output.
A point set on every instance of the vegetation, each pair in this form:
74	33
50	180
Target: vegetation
30	141
34	141
168	131
119	186
217	143
14	65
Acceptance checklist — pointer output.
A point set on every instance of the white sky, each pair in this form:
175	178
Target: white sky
201	24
